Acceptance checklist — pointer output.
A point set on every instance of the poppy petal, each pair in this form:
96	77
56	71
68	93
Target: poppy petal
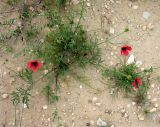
139	81
34	65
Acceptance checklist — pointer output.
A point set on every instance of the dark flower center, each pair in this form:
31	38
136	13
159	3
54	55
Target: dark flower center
124	48
35	63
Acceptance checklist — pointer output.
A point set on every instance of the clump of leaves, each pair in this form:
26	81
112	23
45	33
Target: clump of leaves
130	80
124	76
67	46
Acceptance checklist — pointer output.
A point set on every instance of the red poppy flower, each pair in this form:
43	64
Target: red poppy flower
136	82
34	65
125	50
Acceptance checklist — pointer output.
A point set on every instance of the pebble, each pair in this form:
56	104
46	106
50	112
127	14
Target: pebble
146	15
4	96
129	4
133	103
111	30
88	4
150	26
153	110
45	72
19	69
126	115
92	122
94	99
24	105
45	107
156	105
135	7
152	85
141	117
80	86
98	104
101	123
144	28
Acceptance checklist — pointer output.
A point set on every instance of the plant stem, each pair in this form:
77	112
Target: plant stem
124	60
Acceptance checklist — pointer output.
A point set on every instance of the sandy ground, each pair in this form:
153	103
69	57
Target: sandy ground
80	105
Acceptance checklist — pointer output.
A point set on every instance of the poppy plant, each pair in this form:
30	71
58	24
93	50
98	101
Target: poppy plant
34	65
136	82
125	50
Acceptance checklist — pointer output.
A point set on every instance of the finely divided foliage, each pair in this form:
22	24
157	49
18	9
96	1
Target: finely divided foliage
129	79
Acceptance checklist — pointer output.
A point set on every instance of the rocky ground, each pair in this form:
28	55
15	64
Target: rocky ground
81	105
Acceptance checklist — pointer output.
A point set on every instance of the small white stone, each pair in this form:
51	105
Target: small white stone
101	123
5	73
45	72
156	105
133	103
135	7
125	115
106	7
141	117
80	86
24	105
153	110
88	4
98	104
68	93
4	96
94	99
152	85
45	107
92	122
144	28
130	5
146	15
111	30
19	69
150	26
